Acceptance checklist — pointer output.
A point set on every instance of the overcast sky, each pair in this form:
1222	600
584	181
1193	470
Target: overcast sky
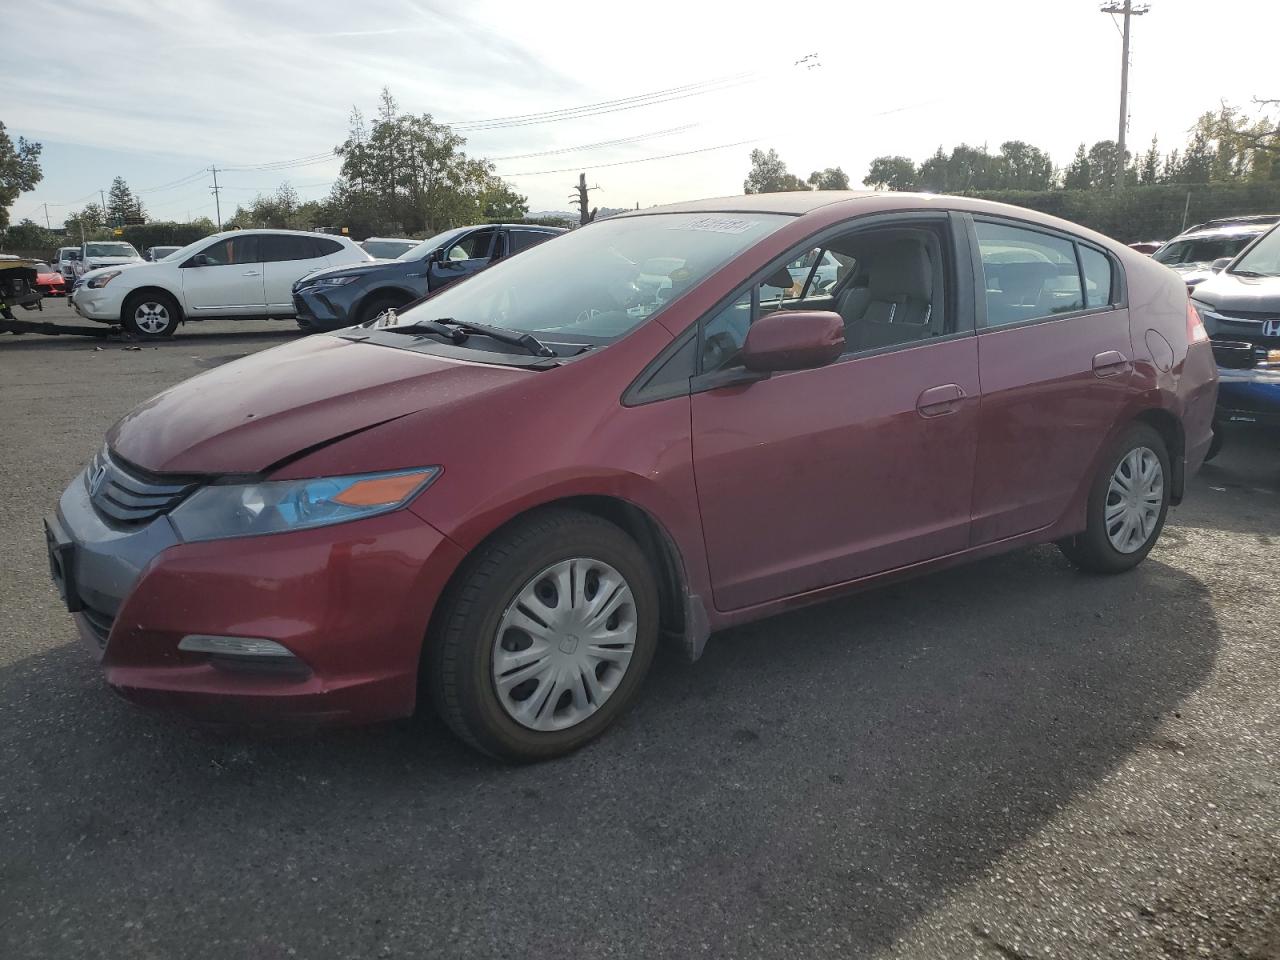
154	92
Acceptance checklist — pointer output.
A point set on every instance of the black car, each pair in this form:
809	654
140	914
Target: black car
342	296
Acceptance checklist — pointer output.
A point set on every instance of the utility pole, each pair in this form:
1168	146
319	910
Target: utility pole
47	225
103	198
1129	9
579	195
217	196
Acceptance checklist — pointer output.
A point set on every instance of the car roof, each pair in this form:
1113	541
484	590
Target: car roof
794	203
1233	230
271	232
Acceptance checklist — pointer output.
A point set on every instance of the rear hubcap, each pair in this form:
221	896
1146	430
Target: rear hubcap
564	644
1134	498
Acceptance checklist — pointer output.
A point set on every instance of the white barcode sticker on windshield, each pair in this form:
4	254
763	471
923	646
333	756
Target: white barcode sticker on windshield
718	225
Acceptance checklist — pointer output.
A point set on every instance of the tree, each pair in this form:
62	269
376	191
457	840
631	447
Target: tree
770	175
832	178
282	210
86	222
891	173
934	174
1102	164
122	204
29	236
1020	166
1149	170
501	203
1078	175
19	171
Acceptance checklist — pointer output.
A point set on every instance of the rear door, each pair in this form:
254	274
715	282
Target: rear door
1055	357
817	477
467	255
287	258
225	278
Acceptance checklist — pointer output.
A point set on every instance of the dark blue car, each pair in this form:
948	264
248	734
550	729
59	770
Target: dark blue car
1240	308
342	296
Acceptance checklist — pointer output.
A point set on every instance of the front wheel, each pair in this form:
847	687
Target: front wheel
545	638
151	316
1127	506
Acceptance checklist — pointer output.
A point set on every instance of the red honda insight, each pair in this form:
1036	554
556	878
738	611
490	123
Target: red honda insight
506	495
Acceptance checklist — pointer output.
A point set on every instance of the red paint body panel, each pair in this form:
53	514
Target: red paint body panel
352	602
775	494
822	476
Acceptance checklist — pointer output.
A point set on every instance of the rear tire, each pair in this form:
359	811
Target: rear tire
151	316
527	695
1128	502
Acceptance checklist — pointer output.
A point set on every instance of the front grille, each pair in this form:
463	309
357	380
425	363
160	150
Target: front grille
99	623
126	494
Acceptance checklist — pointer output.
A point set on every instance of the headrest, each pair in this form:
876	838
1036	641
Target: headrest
899	269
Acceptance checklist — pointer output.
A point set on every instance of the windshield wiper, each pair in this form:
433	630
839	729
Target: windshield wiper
526	340
1251	273
421	327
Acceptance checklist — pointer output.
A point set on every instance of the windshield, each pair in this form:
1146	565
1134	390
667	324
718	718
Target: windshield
110	250
387	249
595	284
43	267
1202	250
1263	257
420	250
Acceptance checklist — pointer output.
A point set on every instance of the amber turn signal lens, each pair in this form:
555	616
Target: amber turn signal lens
382	490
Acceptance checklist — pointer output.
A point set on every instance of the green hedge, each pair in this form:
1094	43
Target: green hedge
1146	213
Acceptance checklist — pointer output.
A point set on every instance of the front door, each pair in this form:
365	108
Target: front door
817	477
468	255
1055	357
225	278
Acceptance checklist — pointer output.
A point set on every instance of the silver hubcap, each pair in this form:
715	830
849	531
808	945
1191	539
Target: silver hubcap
151	317
564	644
1134	497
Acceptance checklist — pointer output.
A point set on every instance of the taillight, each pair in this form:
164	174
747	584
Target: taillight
1196	332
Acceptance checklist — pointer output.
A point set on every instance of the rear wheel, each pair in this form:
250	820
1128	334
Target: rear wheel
150	316
1127	506
545	638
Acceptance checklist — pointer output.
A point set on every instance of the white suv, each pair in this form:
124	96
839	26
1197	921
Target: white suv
240	273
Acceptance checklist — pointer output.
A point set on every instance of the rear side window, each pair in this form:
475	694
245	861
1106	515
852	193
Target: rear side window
1029	275
1098	284
326	246
277	247
524	239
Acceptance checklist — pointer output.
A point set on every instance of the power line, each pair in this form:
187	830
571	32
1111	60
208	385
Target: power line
620	163
591	146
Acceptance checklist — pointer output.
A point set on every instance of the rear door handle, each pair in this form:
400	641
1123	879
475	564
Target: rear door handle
1110	363
939	401
252	273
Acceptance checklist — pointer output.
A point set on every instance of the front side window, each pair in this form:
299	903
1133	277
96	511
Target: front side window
595	284
524	239
889	286
230	251
1029	275
474	246
1263	259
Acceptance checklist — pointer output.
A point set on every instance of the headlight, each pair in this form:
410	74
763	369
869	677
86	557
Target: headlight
101	280
276	506
329	282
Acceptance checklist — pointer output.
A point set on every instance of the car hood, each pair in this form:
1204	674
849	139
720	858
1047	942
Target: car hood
99	262
1230	291
251	414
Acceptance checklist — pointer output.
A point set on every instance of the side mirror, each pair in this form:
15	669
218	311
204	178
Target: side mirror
1220	264
793	340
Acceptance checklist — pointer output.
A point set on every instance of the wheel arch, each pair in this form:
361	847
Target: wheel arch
683	619
1165	423
388	292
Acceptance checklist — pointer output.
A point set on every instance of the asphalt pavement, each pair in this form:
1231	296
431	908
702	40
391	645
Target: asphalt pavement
1010	760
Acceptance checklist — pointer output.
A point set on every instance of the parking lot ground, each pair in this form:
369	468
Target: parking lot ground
1009	760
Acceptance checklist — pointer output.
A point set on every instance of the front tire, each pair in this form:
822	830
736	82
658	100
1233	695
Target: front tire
379	304
545	637
1128	502
150	316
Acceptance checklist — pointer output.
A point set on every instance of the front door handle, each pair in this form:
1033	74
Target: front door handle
939	401
1110	363
253	273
